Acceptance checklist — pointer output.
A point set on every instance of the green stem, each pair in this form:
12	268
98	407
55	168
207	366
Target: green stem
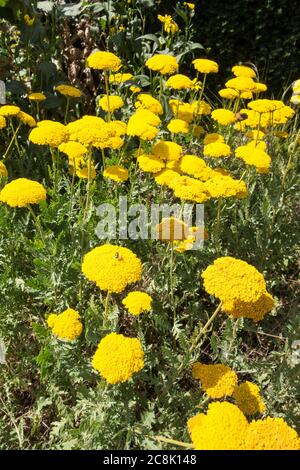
12	141
37	223
67	109
204	329
106	78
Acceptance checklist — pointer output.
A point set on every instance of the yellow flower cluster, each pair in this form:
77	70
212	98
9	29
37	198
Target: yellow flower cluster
254	157
116	78
216	150
111	267
3	169
205	66
162	63
239	286
69	91
248	399
150	163
111	103
226	186
223	116
217	380
38	96
103	60
49	133
224	427
145	101
2	122
167	150
179	82
243	71
178	126
143	124
21	192
137	302
118	357
116	173
67	325
190	189
26	119
94	131
9	110
170	26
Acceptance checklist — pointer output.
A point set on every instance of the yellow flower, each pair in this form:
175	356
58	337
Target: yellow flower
254	157
80	167
178	126
170	229
67	325
216	150
68	90
196	167
145	101
111	267
271	434
217	380
143	124
212	138
223	116
166	177
205	66
26	119
2	122
179	82
223	427
228	93
117	358
150	163
49	133
225	186
21	192
116	173
29	21
248	399
166	150
259	87
191	6
116	78
111	103
170	26
190	189
239	286
201	107
163	63
103	60
3	170
73	149
243	71
241	83
135	89
9	110
37	96
137	302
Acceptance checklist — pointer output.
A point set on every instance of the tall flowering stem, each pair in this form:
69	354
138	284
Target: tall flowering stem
106	79
37	223
205	328
13	139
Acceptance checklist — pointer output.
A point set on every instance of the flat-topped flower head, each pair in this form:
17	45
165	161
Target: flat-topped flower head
9	110
170	229
271	434
178	126
26	119
21	192
179	82
69	91
248	399
223	116
143	124
103	60
190	189
241	84
111	103
112	267
205	66
37	96
116	78
223	427
216	150
223	186
116	173
145	101
150	163
167	150
162	63
243	71
137	302
49	133
73	149
217	380
196	167
118	358
66	325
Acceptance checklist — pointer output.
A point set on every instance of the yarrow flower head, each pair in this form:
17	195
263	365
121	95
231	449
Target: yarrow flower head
116	173
111	103
150	163
248	399
143	124
26	119
37	96
223	116
49	133
21	192
167	150
179	82
112	267
137	302
217	380
163	63
118	357
271	434
178	126
205	66
216	150
69	91
67	325
145	101
9	110
243	71
103	60
239	286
